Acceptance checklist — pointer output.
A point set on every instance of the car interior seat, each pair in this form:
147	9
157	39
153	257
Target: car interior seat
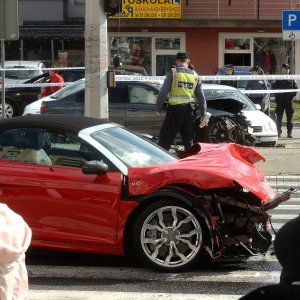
140	95
24	145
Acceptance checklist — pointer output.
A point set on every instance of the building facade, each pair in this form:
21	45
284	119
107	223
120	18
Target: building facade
216	32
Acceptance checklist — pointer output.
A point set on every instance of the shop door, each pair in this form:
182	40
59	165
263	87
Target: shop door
164	63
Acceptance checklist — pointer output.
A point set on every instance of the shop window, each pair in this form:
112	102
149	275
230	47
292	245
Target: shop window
237	51
167	43
38	49
237	44
72	54
237	59
164	63
13	50
134	51
271	53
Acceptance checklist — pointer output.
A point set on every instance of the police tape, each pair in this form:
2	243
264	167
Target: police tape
17	85
160	79
210	77
41	85
20	68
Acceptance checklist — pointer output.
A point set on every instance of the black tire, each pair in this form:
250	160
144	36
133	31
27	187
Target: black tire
161	241
222	130
10	109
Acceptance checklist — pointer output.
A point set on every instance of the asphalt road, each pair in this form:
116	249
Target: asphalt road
285	158
71	276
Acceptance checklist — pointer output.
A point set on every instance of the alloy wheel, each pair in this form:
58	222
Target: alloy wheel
9	110
171	236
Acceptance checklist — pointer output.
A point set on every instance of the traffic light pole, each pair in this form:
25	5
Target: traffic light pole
3	78
96	95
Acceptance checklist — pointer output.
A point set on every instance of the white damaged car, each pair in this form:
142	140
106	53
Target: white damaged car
263	128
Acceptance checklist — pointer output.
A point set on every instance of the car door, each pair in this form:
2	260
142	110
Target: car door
59	202
72	104
117	98
141	108
28	93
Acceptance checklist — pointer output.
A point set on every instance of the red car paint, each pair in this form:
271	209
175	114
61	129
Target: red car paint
215	166
72	211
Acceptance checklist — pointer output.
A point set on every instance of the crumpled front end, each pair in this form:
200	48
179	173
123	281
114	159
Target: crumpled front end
229	192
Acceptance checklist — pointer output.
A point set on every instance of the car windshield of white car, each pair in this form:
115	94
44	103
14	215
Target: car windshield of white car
18	73
71	88
131	149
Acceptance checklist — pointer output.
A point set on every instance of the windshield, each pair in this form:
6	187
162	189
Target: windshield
18	73
233	94
131	149
237	71
69	89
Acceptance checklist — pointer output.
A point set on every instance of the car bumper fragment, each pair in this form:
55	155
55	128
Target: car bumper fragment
278	199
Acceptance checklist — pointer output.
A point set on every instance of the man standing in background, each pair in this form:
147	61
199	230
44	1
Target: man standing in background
284	101
54	78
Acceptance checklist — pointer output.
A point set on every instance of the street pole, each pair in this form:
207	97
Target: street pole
3	78
2	33
96	96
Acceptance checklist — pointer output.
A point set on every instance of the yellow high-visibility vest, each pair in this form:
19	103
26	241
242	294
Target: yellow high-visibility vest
183	86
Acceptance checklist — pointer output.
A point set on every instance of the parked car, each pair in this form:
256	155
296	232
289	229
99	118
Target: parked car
16	98
238	70
133	105
86	185
14	73
128	70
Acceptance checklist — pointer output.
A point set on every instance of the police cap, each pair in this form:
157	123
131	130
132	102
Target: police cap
287	66
229	66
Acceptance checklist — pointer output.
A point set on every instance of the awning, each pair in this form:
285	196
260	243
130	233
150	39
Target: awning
52	29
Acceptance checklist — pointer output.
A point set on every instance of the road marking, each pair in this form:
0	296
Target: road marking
100	295
287	207
283	217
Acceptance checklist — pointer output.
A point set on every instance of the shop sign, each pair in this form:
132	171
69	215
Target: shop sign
150	9
291	25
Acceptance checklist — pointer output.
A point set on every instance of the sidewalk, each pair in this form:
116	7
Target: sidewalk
284	159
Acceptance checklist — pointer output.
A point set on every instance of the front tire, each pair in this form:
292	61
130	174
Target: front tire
222	131
10	109
168	236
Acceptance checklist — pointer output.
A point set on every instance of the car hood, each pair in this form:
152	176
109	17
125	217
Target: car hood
258	118
224	103
215	166
36	104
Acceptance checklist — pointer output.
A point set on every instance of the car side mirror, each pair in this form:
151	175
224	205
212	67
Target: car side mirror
94	167
258	106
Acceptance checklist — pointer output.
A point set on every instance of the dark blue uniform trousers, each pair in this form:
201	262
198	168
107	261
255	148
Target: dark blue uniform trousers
288	107
179	118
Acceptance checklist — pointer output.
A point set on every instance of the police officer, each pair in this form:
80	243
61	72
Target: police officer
259	98
180	88
284	101
229	71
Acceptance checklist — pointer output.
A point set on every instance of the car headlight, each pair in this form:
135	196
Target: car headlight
270	126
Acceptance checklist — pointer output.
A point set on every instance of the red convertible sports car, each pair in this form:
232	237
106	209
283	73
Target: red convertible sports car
92	186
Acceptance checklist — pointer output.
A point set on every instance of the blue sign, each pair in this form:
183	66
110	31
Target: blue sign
291	20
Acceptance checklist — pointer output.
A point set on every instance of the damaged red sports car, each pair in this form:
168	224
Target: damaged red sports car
91	186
